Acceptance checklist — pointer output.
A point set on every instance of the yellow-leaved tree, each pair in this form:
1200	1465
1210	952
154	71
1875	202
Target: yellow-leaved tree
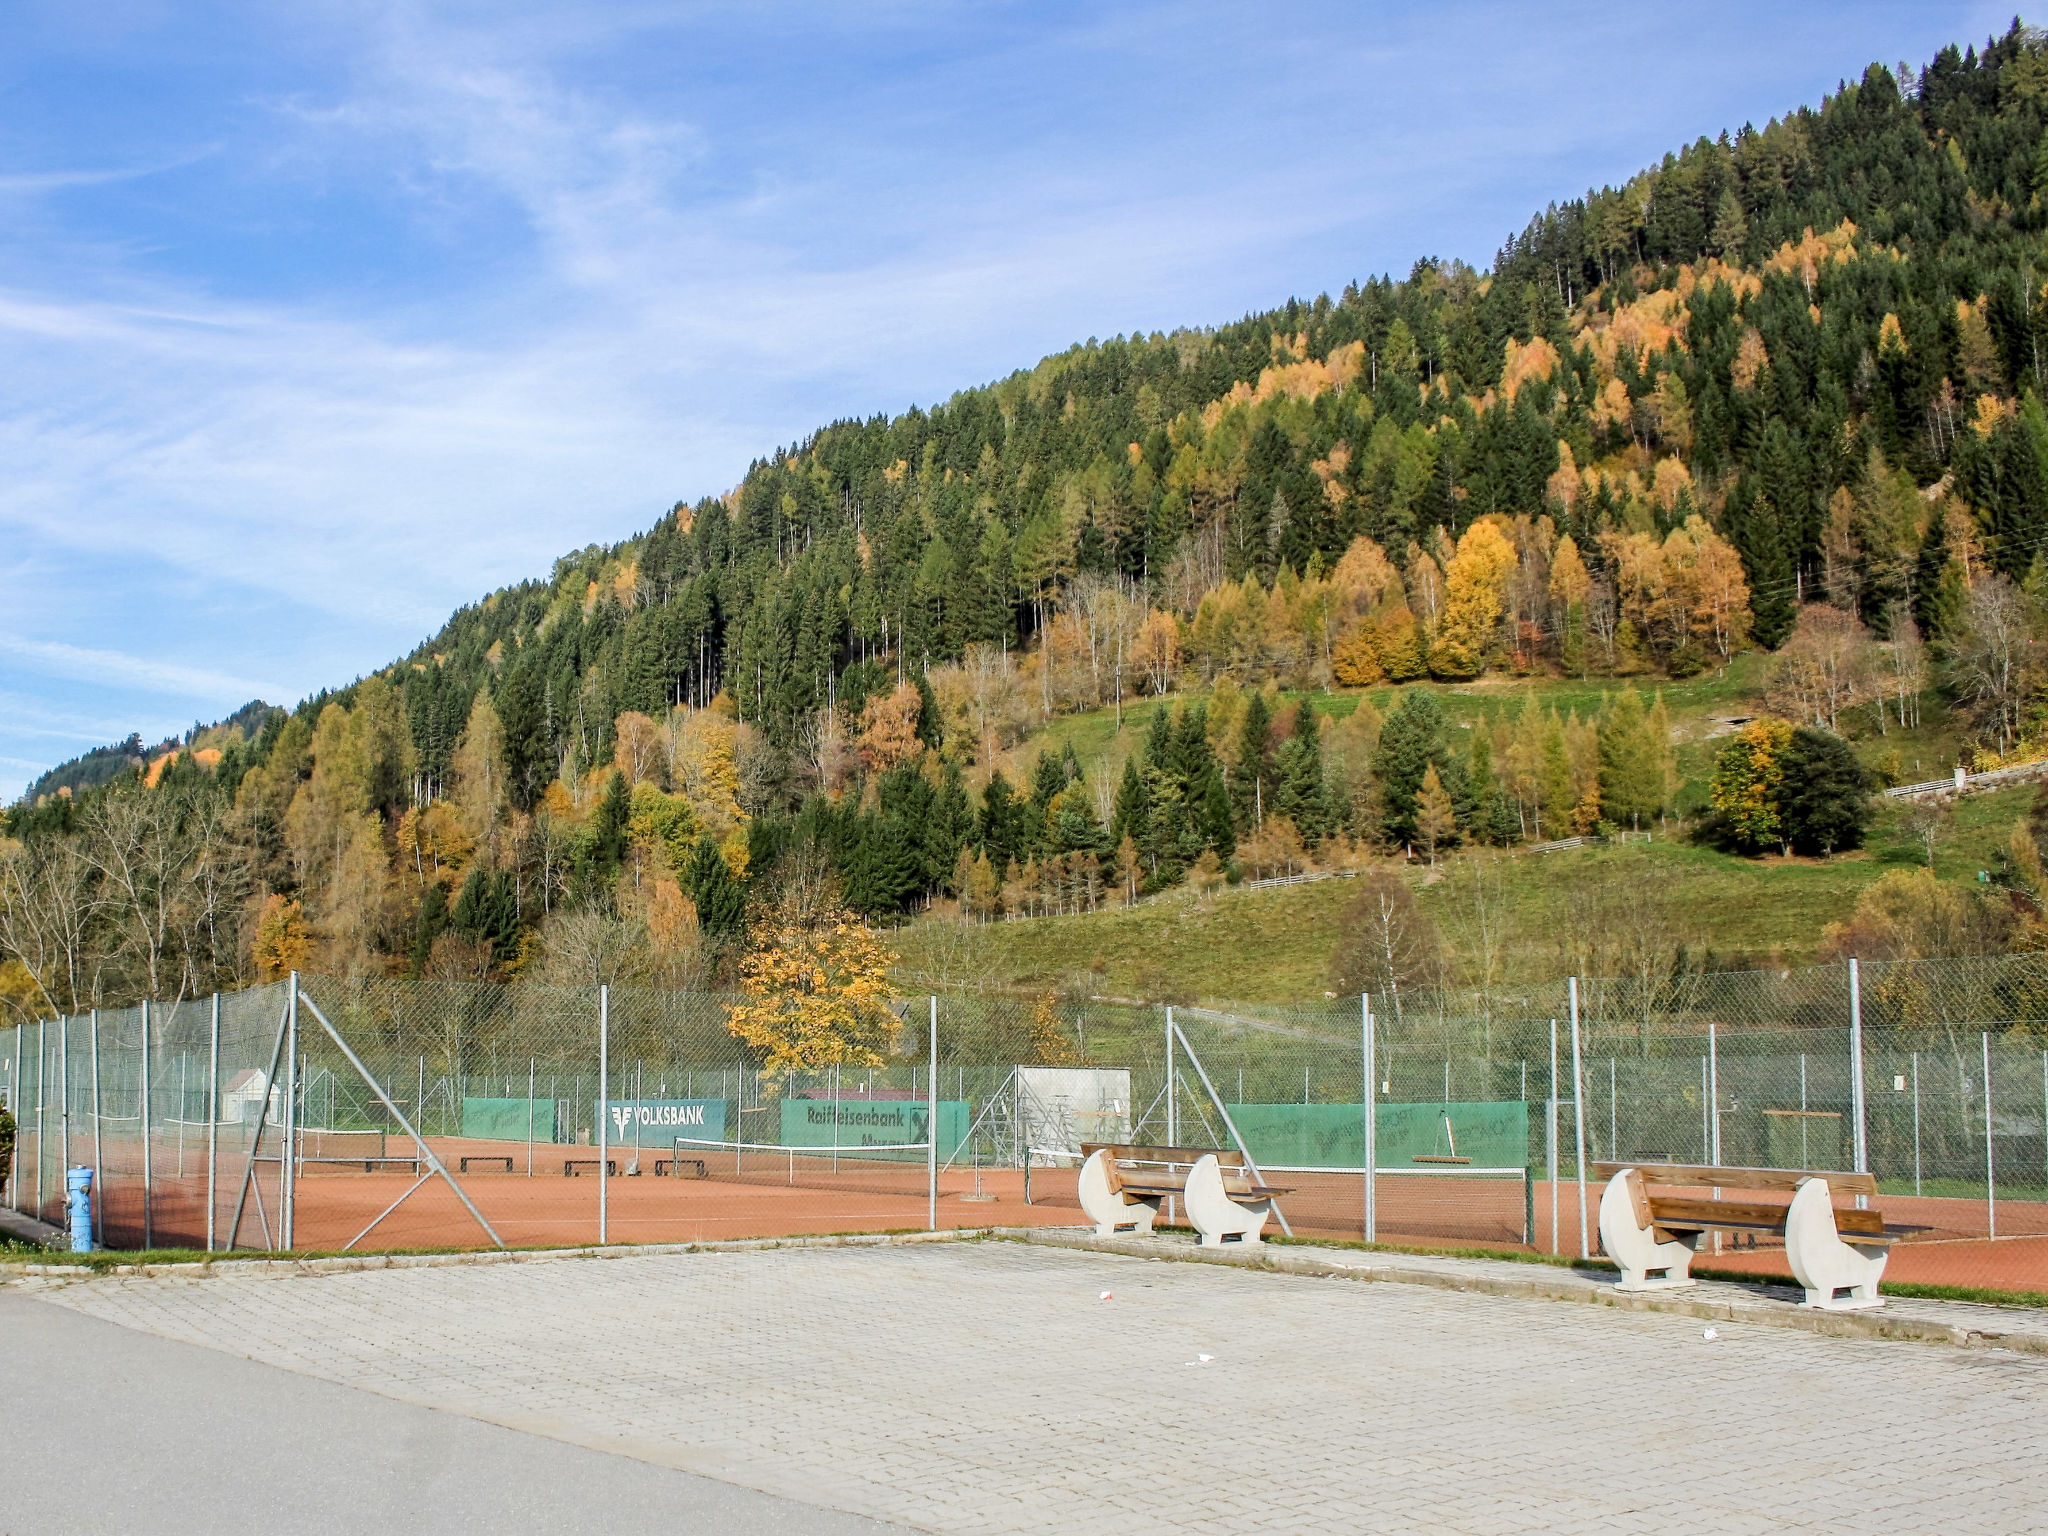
817	993
1474	589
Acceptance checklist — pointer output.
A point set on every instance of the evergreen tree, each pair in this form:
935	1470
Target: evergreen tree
487	911
1132	810
1000	826
1413	740
721	904
1299	792
1252	784
433	918
1824	801
1773	600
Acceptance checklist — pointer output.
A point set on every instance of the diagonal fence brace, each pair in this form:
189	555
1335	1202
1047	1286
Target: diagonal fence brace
1230	1126
434	1164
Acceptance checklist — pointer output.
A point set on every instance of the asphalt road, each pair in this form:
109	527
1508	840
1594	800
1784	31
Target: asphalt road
112	1430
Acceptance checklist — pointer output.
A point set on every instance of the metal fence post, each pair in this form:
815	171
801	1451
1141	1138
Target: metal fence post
1713	1099
604	1088
1579	1124
931	1128
148	1180
212	1113
1550	1139
1990	1171
1856	1104
42	1067
99	1162
288	1196
529	1118
64	1095
17	1106
1172	1119
1916	1122
1370	1077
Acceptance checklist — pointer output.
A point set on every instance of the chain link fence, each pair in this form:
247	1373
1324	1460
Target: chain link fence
392	1114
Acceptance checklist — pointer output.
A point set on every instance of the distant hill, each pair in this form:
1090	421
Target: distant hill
102	765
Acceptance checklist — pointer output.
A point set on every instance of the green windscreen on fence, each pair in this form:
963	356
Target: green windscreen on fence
1331	1135
508	1119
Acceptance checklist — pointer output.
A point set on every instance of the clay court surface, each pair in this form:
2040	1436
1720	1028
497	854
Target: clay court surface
552	1208
988	1387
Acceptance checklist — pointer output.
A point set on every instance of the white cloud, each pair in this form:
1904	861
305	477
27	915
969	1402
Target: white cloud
90	665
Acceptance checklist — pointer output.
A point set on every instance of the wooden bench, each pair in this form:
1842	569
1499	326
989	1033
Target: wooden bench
1124	1186
484	1157
1651	1225
663	1165
571	1164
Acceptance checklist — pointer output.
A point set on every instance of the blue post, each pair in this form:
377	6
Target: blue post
79	1182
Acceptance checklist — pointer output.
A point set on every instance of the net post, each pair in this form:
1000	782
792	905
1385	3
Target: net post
931	1127
1369	1115
99	1163
604	1088
1579	1124
212	1113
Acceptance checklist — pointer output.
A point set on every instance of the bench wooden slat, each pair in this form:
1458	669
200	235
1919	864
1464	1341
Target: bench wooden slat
1694	1175
1673	1214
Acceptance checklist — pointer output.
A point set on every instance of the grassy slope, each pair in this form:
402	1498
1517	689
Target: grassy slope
1275	945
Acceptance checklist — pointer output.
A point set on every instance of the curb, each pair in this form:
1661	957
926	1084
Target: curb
343	1264
1724	1302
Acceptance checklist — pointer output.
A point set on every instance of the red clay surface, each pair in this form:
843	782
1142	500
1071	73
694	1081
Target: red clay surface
549	1209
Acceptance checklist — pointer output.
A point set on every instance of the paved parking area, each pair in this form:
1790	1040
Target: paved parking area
986	1387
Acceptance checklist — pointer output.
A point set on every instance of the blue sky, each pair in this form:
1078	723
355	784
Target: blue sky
319	320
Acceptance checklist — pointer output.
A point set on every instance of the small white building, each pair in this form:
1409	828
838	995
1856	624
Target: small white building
250	1097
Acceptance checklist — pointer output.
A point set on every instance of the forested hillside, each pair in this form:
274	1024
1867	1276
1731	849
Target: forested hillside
1780	392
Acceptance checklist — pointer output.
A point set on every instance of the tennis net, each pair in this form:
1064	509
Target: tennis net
892	1168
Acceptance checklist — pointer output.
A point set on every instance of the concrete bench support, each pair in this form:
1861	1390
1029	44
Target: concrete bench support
1822	1261
1218	1216
1112	1208
1626	1235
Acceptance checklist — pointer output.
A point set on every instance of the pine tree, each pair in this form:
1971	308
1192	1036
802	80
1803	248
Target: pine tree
1252	783
721	904
1299	792
1412	742
1131	811
1772	599
1000	826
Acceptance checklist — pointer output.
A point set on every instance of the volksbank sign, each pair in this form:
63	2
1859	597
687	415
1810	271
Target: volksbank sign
658	1122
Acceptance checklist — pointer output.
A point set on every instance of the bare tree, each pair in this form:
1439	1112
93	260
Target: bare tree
48	904
1990	658
1828	666
1386	946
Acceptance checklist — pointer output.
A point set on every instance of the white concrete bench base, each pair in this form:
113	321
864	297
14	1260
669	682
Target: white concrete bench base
1112	1210
1823	1263
1646	1264
1217	1216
